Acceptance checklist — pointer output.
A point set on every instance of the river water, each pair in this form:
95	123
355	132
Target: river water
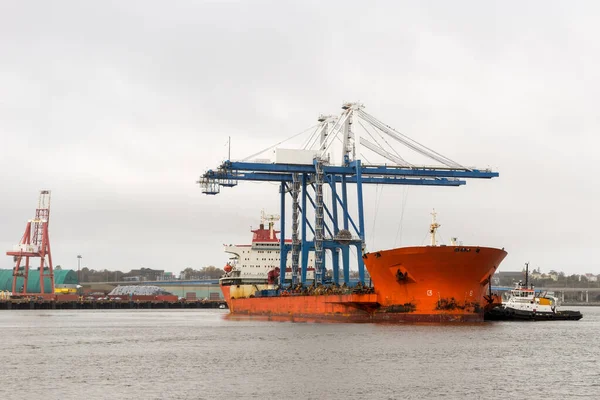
199	354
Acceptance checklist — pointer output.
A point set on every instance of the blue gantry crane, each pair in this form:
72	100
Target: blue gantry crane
307	174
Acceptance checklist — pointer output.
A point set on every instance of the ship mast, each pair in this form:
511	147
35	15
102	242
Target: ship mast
433	228
271	218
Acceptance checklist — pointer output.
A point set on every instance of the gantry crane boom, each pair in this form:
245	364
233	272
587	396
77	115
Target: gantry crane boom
308	175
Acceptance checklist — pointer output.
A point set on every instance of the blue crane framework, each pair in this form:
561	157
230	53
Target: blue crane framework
305	174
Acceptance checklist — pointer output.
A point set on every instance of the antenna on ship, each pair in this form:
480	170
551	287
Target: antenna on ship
433	228
527	275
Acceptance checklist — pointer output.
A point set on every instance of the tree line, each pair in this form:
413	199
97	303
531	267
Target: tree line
562	280
144	274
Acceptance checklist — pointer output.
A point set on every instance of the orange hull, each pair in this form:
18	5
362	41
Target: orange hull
417	284
434	279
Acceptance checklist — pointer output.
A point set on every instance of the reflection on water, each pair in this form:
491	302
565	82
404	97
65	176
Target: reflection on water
198	354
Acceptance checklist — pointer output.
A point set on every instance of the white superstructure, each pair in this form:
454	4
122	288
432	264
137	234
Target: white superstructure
523	298
254	261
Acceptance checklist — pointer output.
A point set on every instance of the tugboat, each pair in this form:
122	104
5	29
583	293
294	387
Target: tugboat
524	305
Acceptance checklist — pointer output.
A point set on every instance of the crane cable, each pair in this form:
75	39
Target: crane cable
411	143
312	139
378	188
277	144
378	144
400	225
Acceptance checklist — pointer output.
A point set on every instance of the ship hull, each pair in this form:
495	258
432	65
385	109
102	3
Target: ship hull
357	308
412	284
434	279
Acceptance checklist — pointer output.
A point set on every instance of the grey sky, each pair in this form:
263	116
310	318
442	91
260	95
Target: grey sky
118	107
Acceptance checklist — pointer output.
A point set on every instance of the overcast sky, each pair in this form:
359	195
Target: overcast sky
118	107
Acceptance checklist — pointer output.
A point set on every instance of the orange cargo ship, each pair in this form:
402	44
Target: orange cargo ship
417	284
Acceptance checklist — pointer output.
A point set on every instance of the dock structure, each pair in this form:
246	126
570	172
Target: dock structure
317	180
110	304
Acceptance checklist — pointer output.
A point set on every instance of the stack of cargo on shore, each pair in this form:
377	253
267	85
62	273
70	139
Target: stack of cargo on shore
138	292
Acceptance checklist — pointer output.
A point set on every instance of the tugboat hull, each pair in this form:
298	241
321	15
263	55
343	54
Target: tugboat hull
505	314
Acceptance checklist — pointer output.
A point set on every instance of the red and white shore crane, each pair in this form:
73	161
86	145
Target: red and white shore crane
35	243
